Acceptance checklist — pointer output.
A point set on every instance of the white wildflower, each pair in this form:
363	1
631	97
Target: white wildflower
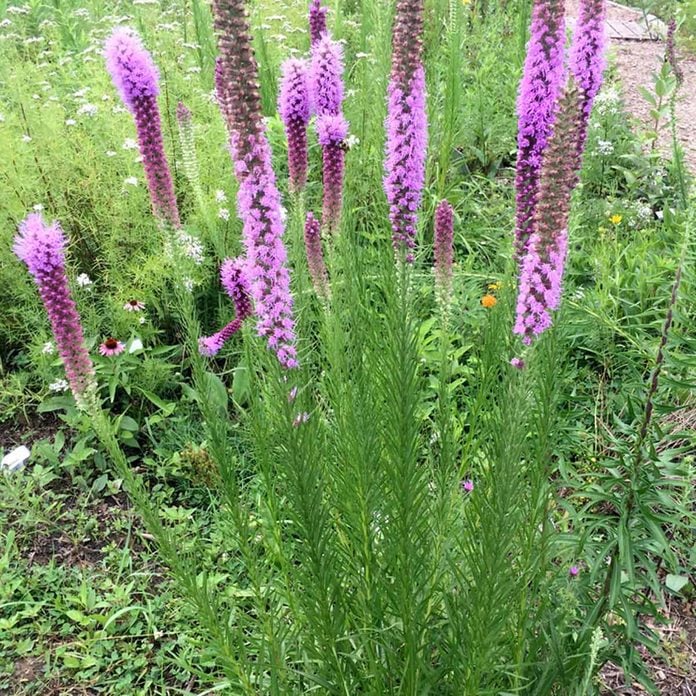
60	385
83	280
48	348
87	110
224	214
131	181
605	147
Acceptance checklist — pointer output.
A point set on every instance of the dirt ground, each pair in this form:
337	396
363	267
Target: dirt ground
636	62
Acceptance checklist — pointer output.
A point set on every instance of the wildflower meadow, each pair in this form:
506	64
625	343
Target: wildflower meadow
346	347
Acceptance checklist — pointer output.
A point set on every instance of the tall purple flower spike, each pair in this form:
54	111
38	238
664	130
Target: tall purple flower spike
444	250
42	248
407	127
258	200
317	21
234	281
671	52
541	275
326	80
541	84
587	57
315	257
326	77
331	132
136	78
294	109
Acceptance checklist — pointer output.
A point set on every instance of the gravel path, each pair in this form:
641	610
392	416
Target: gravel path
636	62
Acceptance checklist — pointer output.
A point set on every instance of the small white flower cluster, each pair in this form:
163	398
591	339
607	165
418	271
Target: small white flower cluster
608	101
224	214
605	148
60	385
88	110
83	280
644	211
191	247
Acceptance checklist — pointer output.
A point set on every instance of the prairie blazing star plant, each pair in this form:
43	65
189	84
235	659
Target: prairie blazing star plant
137	80
294	109
42	248
386	517
542	80
233	279
407	127
258	199
327	91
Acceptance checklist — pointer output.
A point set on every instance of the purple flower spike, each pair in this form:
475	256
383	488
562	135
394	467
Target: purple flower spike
331	131
541	275
587	57
326	81
467	486
317	21
315	257
517	363
233	279
258	199
42	248
671	53
294	108
574	571
136	78
131	67
540	86
407	127
326	77
444	251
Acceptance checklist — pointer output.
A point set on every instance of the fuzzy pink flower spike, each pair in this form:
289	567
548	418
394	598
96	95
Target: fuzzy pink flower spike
42	248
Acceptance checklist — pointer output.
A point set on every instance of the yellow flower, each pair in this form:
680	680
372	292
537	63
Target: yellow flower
489	301
615	219
495	286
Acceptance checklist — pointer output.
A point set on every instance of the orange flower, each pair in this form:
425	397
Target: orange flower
489	301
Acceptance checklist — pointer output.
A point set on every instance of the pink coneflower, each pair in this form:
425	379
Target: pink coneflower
134	306
111	347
